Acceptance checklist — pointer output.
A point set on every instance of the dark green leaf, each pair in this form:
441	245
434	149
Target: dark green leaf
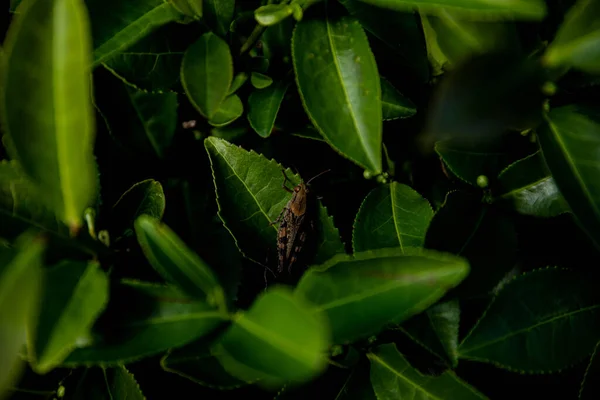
46	106
218	14
281	338
99	383
143	319
231	109
260	81
277	40
75	294
394	104
206	73
250	196
339	84
20	289
481	234
576	42
272	14
393	377
527	187
358	384
263	106
553	308
570	141
117	24
363	293
589	386
238	82
488	9
391	215
177	263
191	8
143	198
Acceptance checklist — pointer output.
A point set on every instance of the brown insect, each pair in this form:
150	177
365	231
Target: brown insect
294	221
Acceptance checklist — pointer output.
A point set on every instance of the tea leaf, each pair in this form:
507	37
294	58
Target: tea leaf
219	14
111	383
263	106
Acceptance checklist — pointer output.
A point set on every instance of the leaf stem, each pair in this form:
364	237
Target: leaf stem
253	38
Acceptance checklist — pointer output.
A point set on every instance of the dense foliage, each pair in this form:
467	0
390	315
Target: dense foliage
449	252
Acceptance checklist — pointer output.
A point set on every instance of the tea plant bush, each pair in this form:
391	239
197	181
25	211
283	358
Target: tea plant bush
456	231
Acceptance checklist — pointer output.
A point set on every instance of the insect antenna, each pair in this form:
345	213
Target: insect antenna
316	176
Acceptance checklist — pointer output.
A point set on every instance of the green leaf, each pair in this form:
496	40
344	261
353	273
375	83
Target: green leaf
557	309
20	289
191	8
231	109
218	14
478	232
238	81
393	377
263	106
74	296
197	363
339	84
279	339
527	187
570	141
143	198
272	14
437	330
143	319
171	258
488	9
391	215
107	383
250	197
394	105
260	81
363	293
206	73
116	24
47	108
589	386
576	42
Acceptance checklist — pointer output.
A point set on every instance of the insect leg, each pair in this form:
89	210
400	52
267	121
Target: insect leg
285	180
278	218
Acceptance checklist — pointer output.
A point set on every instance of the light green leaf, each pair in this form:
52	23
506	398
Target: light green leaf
20	289
250	197
589	386
145	319
576	42
238	81
47	108
570	142
74	296
391	215
117	24
263	106
363	293
485	9
191	8
338	82
393	377
272	14
260	81
557	309
171	258
527	187
394	104
107	383
218	14
206	73
281	338
231	109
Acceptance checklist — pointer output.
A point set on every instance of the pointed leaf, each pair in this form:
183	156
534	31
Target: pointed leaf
393	377
260	81
363	293
116	25
231	109
191	8
263	106
143	319
576	42
394	104
545	309
238	81
107	383
143	198
279	339
250	197
206	73
570	141
530	9
177	263
527	187
338	82
391	215
46	106
589	386
218	14
20	290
